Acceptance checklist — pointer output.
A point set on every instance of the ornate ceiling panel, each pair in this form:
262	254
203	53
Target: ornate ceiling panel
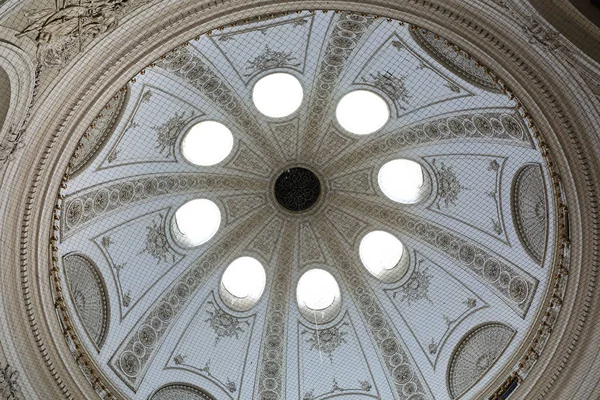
473	242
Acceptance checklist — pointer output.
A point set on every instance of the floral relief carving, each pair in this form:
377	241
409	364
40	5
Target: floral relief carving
10	389
156	242
63	32
530	210
110	196
476	353
225	325
326	341
455	200
417	287
459	62
168	133
128	361
147	96
270	59
391	85
514	285
89	295
449	187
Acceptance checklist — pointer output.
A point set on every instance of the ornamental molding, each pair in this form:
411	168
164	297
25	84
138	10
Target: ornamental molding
24	81
566	136
530	210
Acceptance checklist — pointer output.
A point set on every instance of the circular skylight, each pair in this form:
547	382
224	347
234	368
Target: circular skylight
401	180
362	112
245	278
277	95
197	221
317	289
207	143
380	251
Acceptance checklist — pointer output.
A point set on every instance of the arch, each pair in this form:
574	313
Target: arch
459	63
475	354
530	210
180	391
89	295
96	136
18	78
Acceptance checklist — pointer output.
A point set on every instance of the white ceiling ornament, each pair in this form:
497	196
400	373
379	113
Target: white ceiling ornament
359	245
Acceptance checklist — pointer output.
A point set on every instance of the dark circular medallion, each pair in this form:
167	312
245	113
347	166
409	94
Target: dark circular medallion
297	189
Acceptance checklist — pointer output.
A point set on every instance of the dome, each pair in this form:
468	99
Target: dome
300	190
308	204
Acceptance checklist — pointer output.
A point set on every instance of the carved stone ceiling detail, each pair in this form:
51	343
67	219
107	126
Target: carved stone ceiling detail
471	260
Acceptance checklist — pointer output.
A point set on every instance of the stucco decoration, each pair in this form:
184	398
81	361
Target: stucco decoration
477	352
229	333
477	275
458	62
89	295
95	137
153	328
10	388
82	208
180	392
24	82
348	32
61	33
531	210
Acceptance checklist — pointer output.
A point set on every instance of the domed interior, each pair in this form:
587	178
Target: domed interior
386	128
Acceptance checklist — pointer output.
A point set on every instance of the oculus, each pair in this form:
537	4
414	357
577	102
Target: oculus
297	189
277	95
207	143
403	181
318	296
196	222
243	283
383	256
362	112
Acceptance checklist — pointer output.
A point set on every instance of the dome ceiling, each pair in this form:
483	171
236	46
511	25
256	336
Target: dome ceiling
153	309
